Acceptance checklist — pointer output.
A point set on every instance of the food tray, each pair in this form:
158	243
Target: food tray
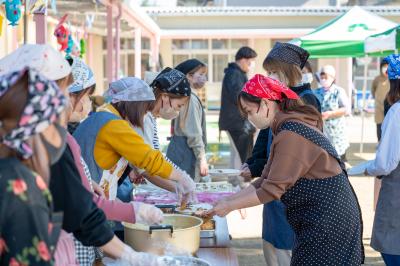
224	172
214	187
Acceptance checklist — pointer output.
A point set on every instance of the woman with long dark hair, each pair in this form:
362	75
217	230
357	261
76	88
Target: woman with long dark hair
386	229
305	173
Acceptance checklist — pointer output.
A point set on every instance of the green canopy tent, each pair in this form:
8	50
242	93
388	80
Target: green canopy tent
343	37
382	44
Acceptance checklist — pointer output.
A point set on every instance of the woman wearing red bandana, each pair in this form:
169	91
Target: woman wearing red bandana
305	173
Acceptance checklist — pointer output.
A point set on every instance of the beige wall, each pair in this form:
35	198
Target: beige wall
262	47
94	55
166	52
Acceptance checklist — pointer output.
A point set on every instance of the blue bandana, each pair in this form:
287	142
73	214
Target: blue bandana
394	66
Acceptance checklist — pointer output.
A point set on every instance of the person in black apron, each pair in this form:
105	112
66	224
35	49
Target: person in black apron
187	148
284	62
305	173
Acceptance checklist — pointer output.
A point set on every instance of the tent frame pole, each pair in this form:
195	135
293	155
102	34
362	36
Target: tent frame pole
364	104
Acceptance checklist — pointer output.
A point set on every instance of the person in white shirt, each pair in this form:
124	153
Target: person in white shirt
386	229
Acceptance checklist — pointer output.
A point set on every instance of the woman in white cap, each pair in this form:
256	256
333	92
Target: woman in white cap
334	106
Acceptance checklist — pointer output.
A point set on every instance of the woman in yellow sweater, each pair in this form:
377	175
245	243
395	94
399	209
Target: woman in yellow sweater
109	143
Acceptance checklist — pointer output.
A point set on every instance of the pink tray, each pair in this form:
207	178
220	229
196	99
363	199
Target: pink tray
170	198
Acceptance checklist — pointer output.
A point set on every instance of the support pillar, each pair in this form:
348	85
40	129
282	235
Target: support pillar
155	51
117	43
138	52
41	27
110	45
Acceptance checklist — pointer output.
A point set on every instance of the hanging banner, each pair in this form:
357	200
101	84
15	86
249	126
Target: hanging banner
37	6
13	11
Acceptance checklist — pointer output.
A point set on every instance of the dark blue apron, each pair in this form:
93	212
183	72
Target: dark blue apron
276	229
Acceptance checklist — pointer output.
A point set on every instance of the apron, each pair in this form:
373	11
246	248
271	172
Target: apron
276	229
386	228
324	213
109	178
335	128
181	154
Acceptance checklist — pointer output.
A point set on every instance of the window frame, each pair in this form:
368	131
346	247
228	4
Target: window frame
210	52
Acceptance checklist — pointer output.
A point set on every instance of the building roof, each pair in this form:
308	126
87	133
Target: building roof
264	11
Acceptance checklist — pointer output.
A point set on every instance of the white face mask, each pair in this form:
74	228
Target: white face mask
307	78
261	119
252	65
273	75
326	83
167	112
384	69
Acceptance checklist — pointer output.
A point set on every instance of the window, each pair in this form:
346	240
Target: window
127	57
179	58
220	62
220	44
199	44
180	44
216	53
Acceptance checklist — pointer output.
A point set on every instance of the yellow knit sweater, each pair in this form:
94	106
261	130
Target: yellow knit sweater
118	139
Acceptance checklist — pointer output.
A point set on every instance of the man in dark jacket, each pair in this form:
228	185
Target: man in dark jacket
239	129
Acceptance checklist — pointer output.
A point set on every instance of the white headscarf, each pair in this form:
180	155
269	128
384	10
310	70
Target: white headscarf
83	76
49	62
129	89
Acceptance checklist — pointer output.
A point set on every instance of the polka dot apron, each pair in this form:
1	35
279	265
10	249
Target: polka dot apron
324	213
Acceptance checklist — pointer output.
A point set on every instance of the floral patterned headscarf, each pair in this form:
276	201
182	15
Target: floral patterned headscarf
45	103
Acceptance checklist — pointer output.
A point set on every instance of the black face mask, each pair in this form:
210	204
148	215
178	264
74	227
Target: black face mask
53	152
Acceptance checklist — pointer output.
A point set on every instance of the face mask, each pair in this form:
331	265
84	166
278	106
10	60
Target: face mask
167	112
384	70
274	76
252	65
307	78
55	153
79	116
260	119
199	81
325	83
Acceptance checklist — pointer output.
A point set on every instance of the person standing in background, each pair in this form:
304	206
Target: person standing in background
379	89
187	148
335	106
239	130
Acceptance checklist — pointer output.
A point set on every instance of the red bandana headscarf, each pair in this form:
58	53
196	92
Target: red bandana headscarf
268	88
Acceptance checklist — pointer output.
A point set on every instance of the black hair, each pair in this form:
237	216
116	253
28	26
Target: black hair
245	52
383	62
393	95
